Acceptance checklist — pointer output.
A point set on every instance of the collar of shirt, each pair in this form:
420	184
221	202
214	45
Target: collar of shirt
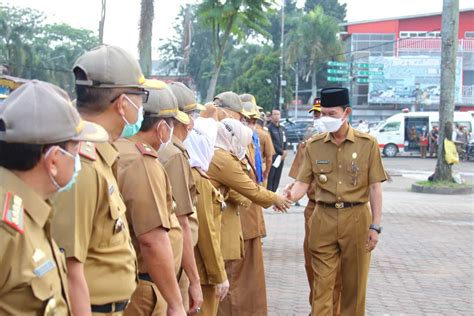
108	152
349	136
38	209
179	144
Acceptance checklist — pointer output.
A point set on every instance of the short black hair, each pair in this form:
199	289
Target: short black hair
93	99
23	157
275	109
150	121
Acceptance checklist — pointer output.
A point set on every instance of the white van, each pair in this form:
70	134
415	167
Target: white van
393	134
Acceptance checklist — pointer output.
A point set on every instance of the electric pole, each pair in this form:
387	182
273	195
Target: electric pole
282	43
449	49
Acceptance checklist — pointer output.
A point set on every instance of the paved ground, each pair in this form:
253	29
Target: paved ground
423	264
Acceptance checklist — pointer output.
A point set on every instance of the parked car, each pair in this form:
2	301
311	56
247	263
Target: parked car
296	130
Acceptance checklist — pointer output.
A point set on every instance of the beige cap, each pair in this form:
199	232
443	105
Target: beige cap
41	113
230	100
162	102
250	105
108	66
185	96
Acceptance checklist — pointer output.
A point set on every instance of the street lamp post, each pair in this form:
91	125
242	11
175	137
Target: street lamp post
296	89
280	94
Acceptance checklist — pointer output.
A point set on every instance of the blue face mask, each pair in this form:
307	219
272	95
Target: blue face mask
77	168
131	129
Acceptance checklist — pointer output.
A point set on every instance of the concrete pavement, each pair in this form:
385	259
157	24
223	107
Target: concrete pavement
423	264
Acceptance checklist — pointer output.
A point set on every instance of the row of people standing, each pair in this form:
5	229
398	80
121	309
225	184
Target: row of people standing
163	216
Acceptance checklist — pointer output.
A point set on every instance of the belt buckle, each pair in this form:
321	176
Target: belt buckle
339	205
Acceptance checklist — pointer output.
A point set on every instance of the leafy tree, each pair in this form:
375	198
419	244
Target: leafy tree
227	19
313	43
331	7
147	15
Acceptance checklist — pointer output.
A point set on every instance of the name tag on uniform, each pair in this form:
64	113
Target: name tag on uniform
322	162
44	268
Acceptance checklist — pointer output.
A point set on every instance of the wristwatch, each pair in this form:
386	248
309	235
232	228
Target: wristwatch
376	227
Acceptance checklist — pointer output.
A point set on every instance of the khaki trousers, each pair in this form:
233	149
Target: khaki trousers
145	301
211	301
247	294
339	237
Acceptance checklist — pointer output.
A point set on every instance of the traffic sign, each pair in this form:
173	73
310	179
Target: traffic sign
367	66
338	71
369	73
337	64
337	79
367	80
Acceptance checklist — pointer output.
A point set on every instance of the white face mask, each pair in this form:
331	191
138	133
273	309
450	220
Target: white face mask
163	145
319	126
331	124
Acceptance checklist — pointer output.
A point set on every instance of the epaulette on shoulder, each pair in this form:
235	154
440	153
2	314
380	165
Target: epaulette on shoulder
363	135
87	150
146	150
13	212
317	137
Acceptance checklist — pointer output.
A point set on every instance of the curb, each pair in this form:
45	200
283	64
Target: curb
441	190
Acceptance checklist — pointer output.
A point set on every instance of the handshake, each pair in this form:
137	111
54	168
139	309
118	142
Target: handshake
284	200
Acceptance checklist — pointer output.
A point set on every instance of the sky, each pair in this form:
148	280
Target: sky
121	25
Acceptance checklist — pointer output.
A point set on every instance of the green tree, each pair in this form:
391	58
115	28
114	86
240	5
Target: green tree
313	43
331	7
227	19
147	15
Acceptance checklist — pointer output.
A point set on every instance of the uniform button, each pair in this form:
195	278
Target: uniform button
340	182
340	166
339	149
339	198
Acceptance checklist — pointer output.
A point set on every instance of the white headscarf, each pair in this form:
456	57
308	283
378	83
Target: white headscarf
200	142
233	136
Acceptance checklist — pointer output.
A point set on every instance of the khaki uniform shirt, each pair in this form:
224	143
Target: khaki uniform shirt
266	145
209	260
226	173
145	188
33	277
92	227
175	159
343	173
297	163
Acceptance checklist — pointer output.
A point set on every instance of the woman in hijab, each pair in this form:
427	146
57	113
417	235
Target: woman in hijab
209	260
226	174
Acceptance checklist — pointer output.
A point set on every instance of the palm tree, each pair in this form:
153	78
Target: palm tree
312	43
231	18
147	15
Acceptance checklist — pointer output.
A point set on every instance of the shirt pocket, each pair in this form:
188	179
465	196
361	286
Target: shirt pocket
115	226
42	288
322	172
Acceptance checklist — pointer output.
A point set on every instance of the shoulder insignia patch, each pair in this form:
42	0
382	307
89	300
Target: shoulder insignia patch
13	212
146	150
317	137
87	150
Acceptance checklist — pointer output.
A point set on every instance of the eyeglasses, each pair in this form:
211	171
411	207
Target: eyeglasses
143	93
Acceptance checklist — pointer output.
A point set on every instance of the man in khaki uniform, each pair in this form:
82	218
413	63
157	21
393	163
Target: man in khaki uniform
309	209
147	194
39	135
175	160
209	260
344	229
92	227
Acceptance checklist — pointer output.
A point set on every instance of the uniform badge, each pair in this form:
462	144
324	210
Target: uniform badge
50	309
44	268
111	189
354	172
354	155
13	213
119	226
38	255
223	206
323	178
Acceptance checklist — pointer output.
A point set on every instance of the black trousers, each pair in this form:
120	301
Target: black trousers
274	176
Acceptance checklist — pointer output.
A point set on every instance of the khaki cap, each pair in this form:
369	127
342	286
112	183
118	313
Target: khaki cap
41	113
185	96
108	66
162	102
230	100
249	105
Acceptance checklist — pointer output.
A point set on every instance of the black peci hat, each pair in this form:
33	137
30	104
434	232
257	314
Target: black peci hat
332	97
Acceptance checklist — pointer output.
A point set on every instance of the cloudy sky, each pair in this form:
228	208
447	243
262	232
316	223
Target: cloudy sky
122	16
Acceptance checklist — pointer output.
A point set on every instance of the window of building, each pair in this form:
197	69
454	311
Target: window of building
416	34
469	34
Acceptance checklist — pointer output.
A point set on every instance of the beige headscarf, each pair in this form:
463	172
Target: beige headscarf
233	136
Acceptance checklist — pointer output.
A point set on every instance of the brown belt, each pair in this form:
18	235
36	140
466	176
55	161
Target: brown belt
339	205
312	201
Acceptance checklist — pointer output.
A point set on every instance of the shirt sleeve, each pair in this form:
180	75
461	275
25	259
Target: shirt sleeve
269	150
208	245
178	173
295	167
75	212
142	186
376	168
306	170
